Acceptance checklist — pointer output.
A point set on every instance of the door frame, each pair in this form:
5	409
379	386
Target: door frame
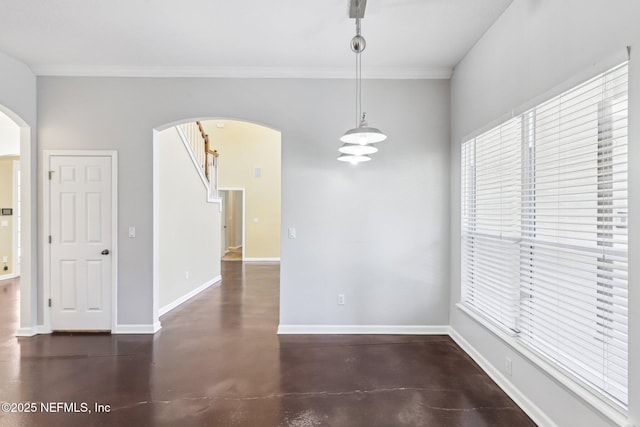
244	219
46	227
17	209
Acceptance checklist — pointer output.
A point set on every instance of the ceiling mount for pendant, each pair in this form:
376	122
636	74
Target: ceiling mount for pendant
357	8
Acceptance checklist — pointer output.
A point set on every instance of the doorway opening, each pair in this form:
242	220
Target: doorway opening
15	141
243	183
232	222
249	160
9	198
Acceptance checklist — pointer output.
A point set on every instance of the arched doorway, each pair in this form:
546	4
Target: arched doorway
18	134
9	198
249	172
236	167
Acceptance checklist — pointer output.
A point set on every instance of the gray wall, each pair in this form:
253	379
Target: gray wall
535	46
377	232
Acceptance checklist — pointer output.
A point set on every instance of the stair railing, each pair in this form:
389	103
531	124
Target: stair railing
202	153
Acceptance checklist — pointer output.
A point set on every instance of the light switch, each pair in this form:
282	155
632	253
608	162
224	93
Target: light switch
4	223
255	220
292	233
257	172
132	232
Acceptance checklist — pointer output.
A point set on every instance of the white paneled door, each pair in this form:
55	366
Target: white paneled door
81	242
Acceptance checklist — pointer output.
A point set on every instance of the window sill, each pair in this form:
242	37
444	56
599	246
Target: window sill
607	408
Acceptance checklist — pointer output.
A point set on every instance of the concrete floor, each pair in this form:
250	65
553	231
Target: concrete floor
218	362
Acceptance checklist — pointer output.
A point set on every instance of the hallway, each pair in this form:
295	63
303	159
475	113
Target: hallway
218	362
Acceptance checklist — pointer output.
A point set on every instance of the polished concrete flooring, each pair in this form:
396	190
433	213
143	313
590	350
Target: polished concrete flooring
218	362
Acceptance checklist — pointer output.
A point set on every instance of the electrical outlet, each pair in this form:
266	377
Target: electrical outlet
509	366
340	299
5	259
186	274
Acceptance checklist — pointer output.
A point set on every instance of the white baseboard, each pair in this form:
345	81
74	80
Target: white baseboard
184	298
261	259
137	329
29	331
32	331
43	330
530	408
363	329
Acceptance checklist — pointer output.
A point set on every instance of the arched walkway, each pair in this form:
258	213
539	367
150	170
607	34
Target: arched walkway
172	224
29	290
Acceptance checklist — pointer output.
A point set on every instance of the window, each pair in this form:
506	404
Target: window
544	230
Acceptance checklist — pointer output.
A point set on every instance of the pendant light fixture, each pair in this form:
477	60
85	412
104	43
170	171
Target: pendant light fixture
354	159
357	142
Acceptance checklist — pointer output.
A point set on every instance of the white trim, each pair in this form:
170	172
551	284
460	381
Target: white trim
138	328
114	237
192	155
9	276
243	72
599	67
46	227
244	224
155	298
28	234
363	329
27	332
531	409
196	165
186	297
32	331
15	261
481	318
570	384
244	219
29	225
43	330
276	259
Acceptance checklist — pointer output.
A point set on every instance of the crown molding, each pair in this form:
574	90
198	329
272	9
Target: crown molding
242	72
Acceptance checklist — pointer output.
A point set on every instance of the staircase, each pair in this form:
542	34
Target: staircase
204	157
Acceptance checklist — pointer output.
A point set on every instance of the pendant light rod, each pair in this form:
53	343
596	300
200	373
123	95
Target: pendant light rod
358	44
358	84
358	141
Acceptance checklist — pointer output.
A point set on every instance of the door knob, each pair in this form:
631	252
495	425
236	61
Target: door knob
105	252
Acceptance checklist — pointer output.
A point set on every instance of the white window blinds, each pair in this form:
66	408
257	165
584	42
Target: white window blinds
544	229
491	221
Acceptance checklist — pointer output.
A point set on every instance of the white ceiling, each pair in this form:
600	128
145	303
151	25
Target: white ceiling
303	38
